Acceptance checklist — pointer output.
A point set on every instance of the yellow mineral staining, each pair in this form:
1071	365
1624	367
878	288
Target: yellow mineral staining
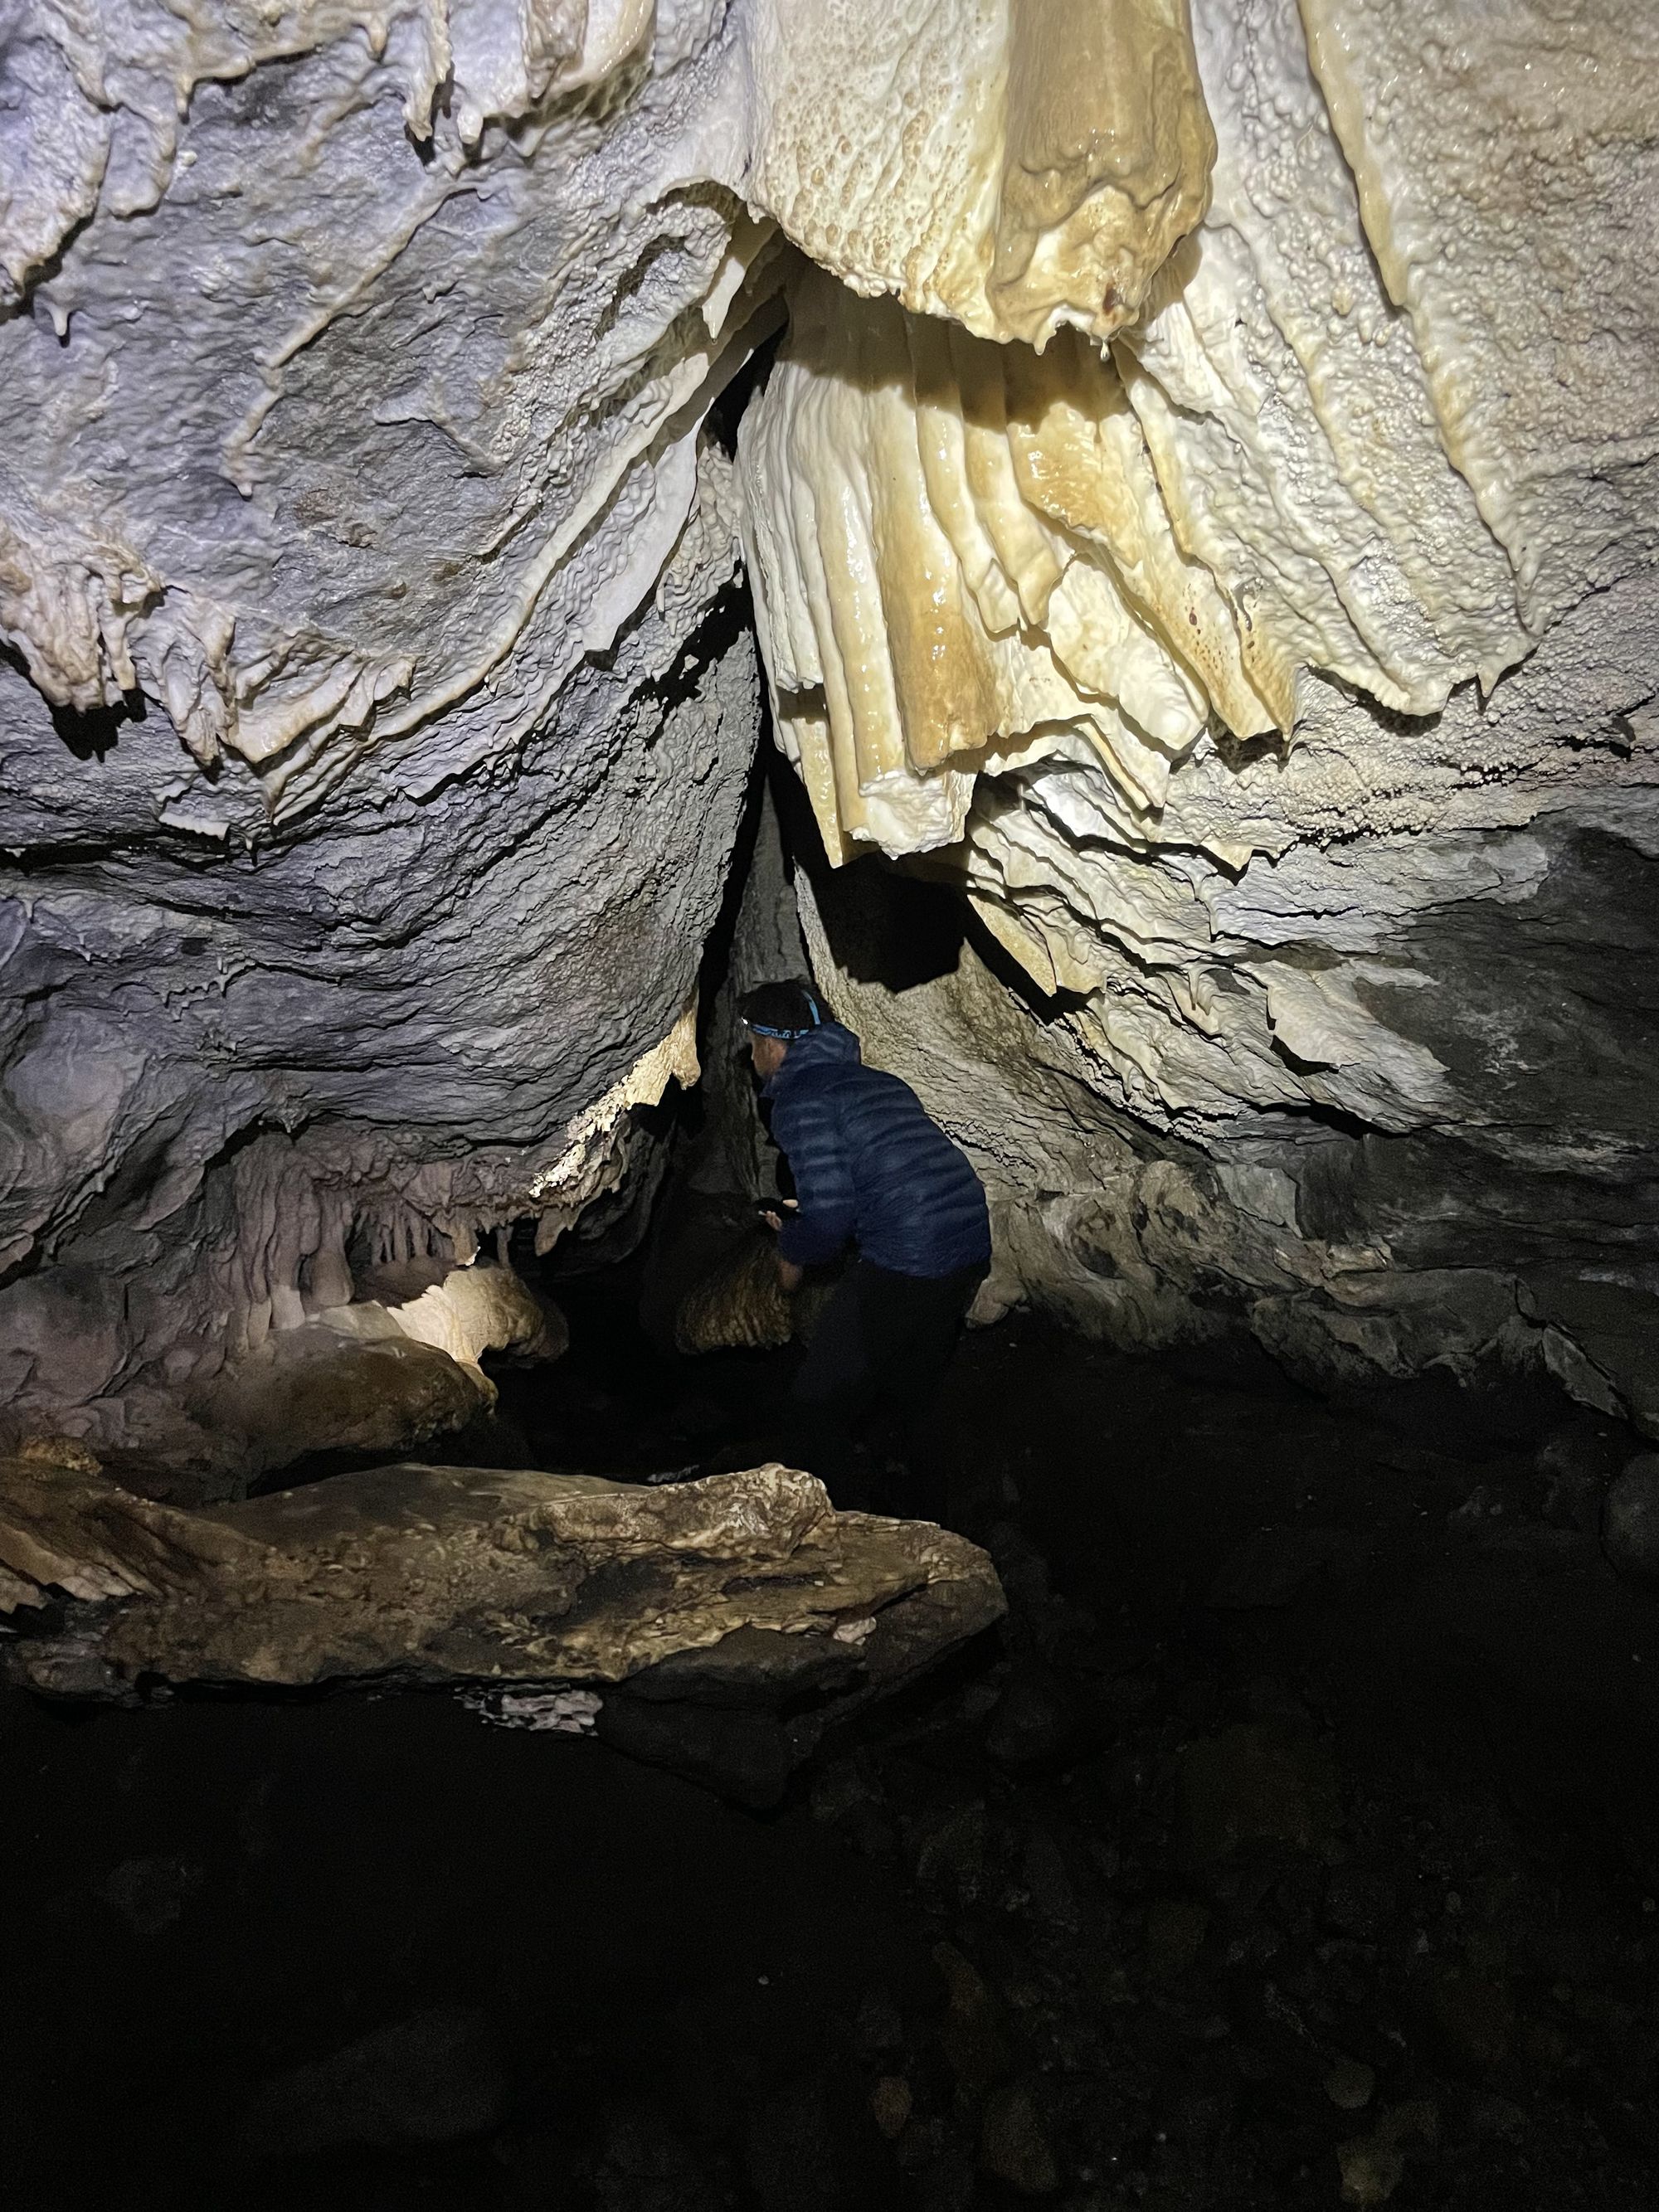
1014	166
963	559
1106	153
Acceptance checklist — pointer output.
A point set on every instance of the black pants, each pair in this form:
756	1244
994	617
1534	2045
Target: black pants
882	1347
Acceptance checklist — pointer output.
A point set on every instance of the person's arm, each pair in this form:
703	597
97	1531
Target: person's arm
808	1132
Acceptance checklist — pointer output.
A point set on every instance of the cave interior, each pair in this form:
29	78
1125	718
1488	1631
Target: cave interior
1112	538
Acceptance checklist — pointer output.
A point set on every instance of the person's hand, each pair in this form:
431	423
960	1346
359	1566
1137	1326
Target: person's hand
790	1275
773	1220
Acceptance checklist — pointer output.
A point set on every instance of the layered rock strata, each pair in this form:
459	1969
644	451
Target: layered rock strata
744	1592
375	719
1200	511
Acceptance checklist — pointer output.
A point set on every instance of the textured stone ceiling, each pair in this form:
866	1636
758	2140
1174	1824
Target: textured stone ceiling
1200	510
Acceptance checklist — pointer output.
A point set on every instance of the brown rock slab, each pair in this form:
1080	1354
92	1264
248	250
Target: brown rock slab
725	1598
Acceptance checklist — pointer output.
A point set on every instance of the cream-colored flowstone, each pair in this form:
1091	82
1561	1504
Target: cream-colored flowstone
966	554
1018	166
1246	659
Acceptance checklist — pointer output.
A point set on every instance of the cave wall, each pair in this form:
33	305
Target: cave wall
376	706
1277	679
1201	514
1375	424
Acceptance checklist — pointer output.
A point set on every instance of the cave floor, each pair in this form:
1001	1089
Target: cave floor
1295	1842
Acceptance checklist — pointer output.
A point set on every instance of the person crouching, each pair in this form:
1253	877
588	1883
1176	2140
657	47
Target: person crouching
872	1170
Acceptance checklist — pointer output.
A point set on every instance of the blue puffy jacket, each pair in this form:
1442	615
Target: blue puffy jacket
870	1164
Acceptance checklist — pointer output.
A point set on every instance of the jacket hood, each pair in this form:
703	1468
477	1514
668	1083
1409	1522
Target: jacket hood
829	1045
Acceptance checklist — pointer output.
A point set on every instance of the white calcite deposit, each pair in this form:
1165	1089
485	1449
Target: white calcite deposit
1199	513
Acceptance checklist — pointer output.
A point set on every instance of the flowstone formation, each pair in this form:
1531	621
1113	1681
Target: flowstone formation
1272	667
1199	514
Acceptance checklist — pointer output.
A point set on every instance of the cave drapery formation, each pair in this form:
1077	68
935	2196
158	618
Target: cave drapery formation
1200	510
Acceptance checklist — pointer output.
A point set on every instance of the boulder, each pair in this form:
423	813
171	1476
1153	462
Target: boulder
739	1304
710	1611
318	1389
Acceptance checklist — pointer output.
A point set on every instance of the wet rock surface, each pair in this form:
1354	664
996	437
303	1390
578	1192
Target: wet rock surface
1147	1900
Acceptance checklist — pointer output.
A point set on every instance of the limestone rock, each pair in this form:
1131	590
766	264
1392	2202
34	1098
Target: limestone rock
1201	510
740	1303
723	1595
374	725
470	1310
1354	976
364	1378
1017	167
315	1388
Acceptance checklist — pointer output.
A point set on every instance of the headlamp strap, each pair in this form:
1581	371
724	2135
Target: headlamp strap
788	1037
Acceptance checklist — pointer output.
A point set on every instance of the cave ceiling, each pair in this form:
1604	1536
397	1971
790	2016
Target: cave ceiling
1199	511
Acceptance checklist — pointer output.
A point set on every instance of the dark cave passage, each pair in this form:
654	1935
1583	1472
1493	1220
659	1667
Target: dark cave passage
1297	1825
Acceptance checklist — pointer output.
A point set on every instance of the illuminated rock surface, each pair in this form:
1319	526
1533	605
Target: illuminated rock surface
1346	1033
742	1591
360	543
1201	509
